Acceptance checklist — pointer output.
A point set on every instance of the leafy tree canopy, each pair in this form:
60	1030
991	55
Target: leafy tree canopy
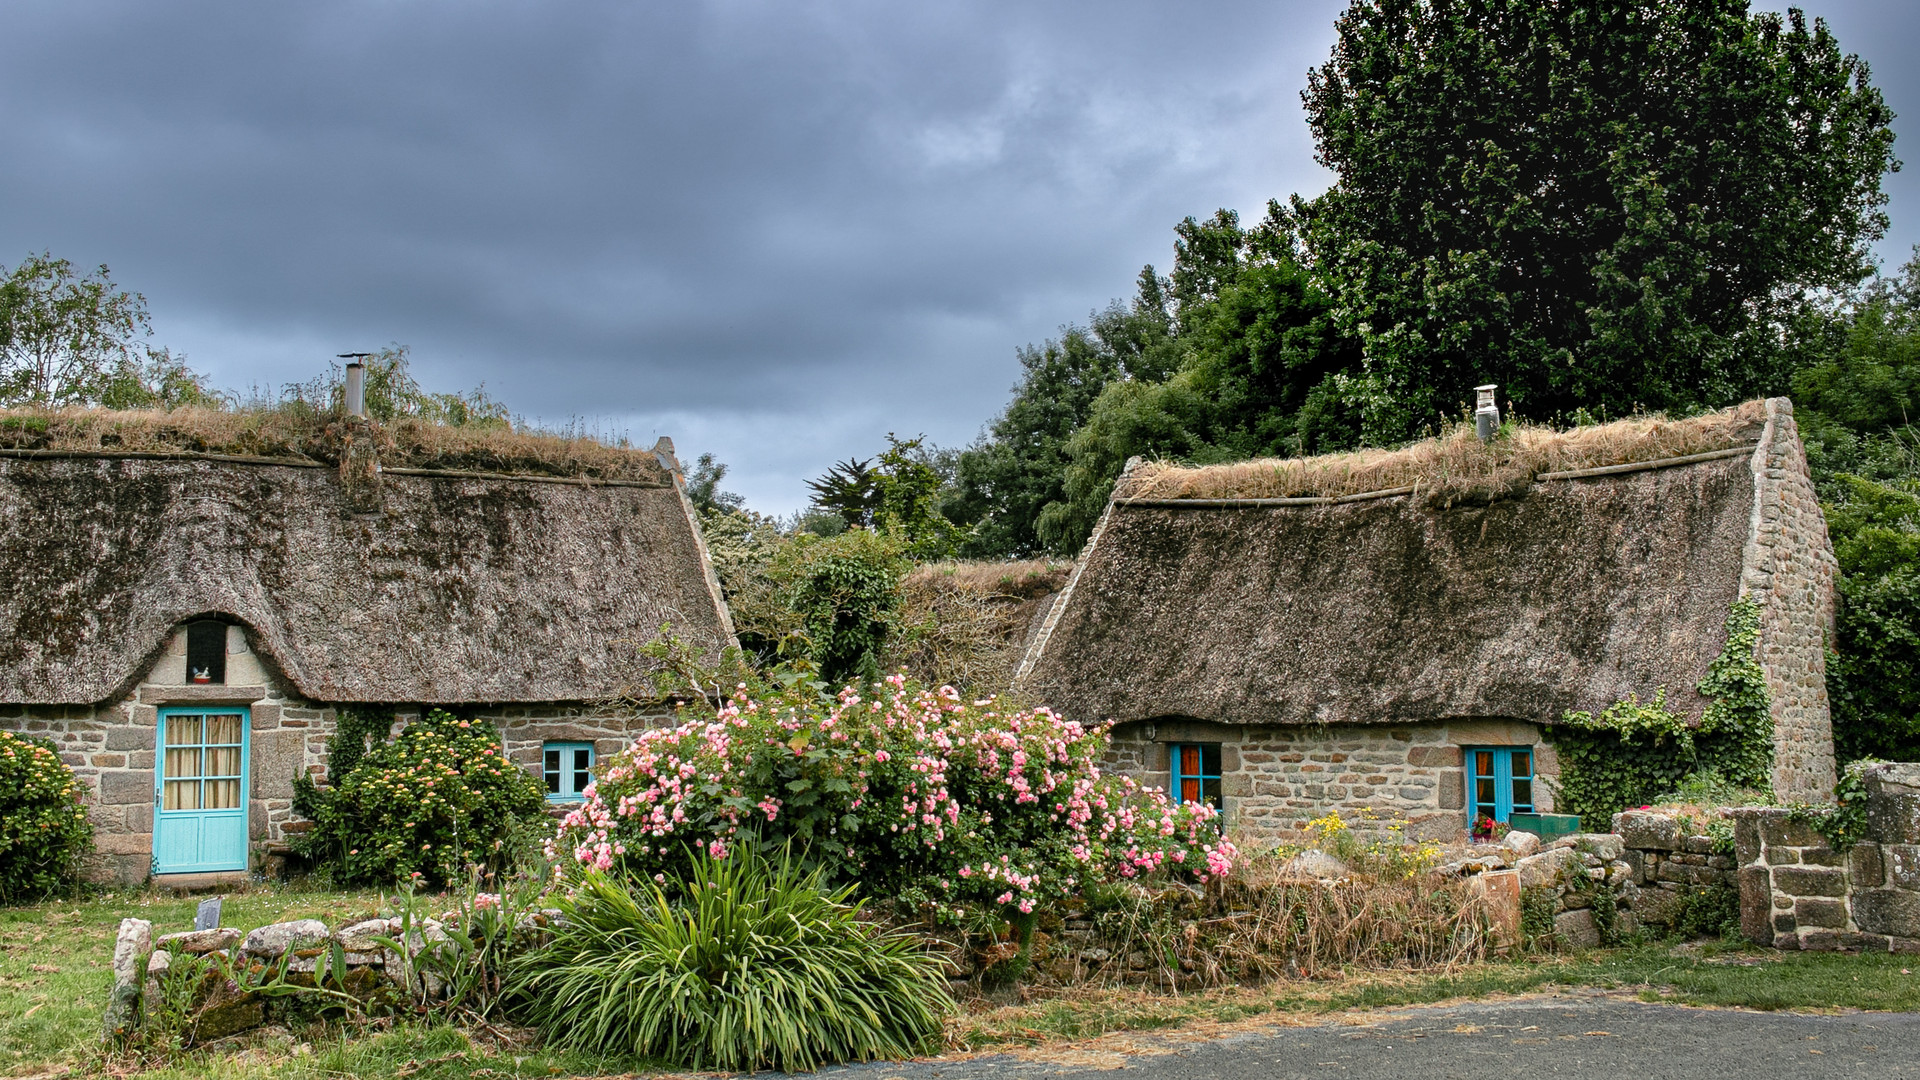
1603	205
67	339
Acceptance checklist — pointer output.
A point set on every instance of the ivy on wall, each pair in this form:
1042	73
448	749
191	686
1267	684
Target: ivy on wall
1635	752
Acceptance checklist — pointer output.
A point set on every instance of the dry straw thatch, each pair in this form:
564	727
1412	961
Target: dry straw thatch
319	436
966	624
1455	464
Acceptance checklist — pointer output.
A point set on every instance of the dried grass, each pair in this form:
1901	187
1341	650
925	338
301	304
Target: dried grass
319	436
965	624
1455	464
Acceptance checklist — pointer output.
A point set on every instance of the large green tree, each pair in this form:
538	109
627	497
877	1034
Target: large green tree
1017	469
1602	205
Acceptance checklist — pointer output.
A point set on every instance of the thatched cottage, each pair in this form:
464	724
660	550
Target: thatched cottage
184	624
1396	631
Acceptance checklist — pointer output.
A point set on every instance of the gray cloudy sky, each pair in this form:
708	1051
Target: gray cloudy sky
772	230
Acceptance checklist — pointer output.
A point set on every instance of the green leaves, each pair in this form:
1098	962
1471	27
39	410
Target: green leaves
44	831
759	967
1633	753
1607	206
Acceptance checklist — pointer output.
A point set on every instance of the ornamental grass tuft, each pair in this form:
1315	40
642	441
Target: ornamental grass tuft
758	967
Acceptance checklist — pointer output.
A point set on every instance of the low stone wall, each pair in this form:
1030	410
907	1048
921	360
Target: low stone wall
1797	892
358	958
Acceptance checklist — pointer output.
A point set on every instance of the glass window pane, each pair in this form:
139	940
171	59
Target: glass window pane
553	783
182	762
223	794
182	795
223	761
1523	795
1210	793
1483	763
580	782
1483	790
1523	763
224	728
1189	790
1189	761
552	760
1210	759
183	731
582	759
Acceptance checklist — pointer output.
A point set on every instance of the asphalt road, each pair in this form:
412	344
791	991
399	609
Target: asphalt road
1566	1038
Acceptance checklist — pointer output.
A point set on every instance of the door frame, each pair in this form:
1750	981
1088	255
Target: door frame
245	809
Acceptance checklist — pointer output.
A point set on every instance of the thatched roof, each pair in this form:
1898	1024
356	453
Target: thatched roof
464	589
1505	597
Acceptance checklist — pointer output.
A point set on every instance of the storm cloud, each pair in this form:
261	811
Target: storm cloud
774	231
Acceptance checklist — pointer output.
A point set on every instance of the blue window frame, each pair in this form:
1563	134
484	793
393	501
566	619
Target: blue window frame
567	768
1196	773
1499	781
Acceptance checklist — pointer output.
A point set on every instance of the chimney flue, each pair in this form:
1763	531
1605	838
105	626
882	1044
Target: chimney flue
1486	414
356	383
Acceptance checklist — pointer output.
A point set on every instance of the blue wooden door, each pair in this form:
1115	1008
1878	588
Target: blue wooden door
200	791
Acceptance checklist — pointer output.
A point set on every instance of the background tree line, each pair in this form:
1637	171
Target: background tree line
1606	208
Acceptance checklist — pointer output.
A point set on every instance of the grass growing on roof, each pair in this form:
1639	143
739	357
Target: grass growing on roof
1455	463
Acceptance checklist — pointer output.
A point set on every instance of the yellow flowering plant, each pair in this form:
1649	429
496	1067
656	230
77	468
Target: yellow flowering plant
44	832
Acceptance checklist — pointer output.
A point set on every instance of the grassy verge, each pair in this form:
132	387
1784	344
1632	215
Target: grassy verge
55	969
1713	975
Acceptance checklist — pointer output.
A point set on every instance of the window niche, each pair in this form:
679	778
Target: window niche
206	652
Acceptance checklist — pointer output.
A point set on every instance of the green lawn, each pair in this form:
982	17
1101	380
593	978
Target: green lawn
55	970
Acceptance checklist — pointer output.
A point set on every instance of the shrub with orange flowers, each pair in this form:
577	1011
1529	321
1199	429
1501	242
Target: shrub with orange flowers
895	788
423	807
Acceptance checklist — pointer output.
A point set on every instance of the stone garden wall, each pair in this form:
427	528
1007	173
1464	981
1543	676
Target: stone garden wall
1797	892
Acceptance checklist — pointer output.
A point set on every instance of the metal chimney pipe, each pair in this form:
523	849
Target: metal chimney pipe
356	389
1486	414
356	383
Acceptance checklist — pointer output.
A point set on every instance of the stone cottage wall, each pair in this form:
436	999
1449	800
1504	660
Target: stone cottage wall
111	749
1276	779
1789	566
1799	893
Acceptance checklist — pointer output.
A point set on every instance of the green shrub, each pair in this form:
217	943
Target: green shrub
436	798
1633	752
759	968
44	832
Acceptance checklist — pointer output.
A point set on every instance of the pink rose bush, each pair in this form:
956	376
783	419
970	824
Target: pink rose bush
906	789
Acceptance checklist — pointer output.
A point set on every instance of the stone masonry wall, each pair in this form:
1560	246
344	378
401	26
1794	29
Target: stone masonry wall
1276	779
1789	567
111	749
1799	893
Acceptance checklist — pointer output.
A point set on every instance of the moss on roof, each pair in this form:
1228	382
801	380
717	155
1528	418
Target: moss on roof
312	435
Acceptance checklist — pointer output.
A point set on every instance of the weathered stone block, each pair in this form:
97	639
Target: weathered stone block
130	738
283	937
1452	791
125	788
1782	832
1809	911
1866	867
1434	757
131	947
1810	881
1893	802
1902	864
1647	830
1577	928
1894	912
201	942
1819	940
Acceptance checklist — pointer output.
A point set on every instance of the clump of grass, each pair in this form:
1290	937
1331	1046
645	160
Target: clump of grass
757	968
1455	464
